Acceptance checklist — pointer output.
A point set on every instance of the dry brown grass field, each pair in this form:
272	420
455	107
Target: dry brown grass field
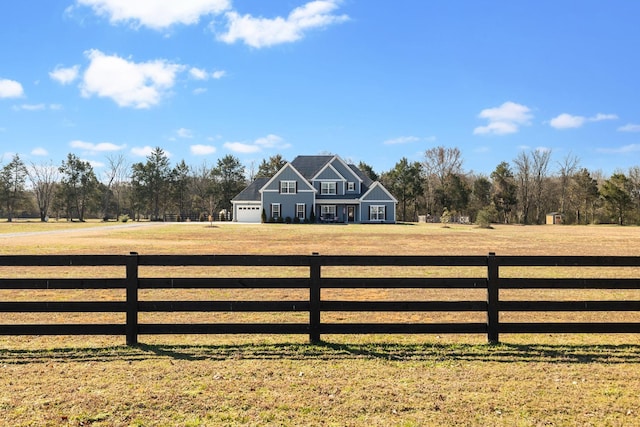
395	380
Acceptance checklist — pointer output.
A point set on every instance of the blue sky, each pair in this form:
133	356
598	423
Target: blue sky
370	80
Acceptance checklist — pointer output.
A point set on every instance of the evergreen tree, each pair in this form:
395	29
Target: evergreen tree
78	186
583	195
617	197
368	171
504	191
151	181
229	180
12	185
404	181
180	186
269	168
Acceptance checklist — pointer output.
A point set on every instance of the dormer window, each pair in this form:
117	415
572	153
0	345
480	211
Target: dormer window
327	187
287	187
351	186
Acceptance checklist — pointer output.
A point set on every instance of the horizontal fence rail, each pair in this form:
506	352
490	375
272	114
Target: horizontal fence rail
313	283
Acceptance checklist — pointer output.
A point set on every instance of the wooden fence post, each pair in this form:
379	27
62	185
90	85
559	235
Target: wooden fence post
314	298
493	299
132	299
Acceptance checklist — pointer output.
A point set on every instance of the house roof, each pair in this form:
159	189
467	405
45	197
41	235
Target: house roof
252	192
309	166
366	181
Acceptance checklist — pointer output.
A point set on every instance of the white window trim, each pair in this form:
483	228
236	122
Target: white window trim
275	207
351	186
328	209
301	213
325	191
376	210
286	185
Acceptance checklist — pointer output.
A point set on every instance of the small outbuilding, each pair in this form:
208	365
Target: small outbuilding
554	218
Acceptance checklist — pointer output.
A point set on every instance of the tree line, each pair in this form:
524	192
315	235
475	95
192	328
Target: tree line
522	191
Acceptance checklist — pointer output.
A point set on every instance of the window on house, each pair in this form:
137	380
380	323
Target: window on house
328	212
328	188
377	213
287	187
351	186
275	210
300	210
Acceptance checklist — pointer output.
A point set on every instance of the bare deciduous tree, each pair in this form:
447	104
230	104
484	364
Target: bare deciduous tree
114	177
541	159
44	179
567	169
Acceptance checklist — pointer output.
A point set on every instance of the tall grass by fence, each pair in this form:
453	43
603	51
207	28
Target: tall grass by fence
313	284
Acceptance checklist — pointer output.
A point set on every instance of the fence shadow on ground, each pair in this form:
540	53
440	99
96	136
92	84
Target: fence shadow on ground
434	353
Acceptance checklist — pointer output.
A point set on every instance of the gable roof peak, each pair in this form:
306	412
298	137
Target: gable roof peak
288	165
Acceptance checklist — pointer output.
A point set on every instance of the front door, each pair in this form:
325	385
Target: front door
351	213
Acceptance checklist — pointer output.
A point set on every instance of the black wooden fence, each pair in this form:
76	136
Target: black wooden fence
491	283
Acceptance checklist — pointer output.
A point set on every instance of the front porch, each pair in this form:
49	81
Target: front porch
337	213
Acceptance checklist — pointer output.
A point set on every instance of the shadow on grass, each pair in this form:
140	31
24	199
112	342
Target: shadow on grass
430	353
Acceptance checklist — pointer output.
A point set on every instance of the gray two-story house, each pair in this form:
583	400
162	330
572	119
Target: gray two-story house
325	185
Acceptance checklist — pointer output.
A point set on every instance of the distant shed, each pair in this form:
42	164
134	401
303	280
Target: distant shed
554	218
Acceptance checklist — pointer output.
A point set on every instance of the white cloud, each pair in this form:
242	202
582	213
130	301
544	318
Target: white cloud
269	141
199	90
143	151
94	163
568	121
29	107
600	117
198	73
264	32
631	148
497	128
184	133
36	107
10	89
202	150
504	119
129	84
240	147
408	140
93	148
39	151
65	75
401	140
218	74
156	14
630	127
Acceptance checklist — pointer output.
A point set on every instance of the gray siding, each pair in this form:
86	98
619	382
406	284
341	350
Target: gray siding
347	173
377	194
287	202
389	211
286	174
329	173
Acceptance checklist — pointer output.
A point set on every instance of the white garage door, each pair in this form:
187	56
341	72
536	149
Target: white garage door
248	213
